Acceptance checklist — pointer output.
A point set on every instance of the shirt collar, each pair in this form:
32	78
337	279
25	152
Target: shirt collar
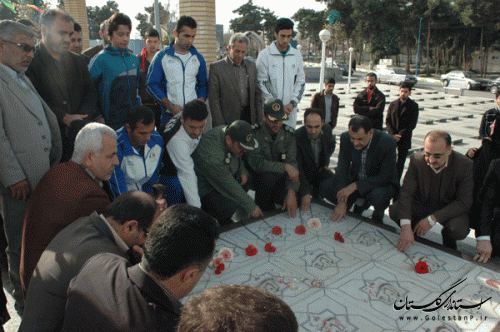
368	146
231	62
439	170
99	182
118	240
317	138
15	75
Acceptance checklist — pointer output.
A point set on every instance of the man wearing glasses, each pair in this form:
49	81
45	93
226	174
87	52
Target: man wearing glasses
436	189
30	142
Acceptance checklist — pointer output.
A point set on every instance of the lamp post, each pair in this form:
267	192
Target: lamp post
324	35
350	69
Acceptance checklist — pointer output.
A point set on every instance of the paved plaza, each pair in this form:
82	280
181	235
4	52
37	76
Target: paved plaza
457	114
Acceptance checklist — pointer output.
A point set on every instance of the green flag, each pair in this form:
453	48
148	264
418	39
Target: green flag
10	5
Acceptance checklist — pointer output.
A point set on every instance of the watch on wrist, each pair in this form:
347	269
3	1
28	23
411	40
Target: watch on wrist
294	103
431	222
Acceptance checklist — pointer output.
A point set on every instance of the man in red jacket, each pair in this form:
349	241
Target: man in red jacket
67	192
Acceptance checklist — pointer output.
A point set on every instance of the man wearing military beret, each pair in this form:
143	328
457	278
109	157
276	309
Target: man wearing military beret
276	175
221	172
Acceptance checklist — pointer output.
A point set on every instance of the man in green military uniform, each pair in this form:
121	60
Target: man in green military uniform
221	172
275	178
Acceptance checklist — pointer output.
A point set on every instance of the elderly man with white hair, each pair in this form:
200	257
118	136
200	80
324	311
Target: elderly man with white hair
30	142
67	192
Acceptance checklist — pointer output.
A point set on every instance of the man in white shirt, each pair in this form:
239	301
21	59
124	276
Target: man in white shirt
181	136
280	71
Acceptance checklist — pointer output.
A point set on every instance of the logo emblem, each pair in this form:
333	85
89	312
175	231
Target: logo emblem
276	107
249	138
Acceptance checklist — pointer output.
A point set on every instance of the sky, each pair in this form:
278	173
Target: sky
223	8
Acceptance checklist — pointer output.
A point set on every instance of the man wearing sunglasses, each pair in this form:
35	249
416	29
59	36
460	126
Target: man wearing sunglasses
30	142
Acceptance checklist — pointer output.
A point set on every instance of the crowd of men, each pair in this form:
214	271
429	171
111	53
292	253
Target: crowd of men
86	138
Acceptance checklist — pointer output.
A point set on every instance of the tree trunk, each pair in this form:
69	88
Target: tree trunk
408	55
428	48
438	57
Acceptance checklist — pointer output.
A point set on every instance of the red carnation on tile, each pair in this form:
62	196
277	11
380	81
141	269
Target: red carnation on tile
251	250
301	230
338	237
421	268
277	230
269	247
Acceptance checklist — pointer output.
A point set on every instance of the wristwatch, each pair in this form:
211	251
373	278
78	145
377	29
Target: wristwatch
431	222
294	103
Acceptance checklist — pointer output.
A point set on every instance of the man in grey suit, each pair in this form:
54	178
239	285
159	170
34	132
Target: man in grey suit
233	92
125	224
30	141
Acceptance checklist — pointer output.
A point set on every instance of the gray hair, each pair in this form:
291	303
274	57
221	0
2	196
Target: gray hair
50	15
10	29
90	138
240	38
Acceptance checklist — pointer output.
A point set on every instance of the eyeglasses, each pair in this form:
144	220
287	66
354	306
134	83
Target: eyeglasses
26	48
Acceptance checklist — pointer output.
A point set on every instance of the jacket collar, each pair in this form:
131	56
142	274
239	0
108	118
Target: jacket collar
154	291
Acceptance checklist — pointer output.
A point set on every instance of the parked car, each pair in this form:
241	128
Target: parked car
338	64
493	85
467	79
395	76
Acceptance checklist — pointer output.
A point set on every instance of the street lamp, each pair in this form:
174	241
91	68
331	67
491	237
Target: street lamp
350	69
324	35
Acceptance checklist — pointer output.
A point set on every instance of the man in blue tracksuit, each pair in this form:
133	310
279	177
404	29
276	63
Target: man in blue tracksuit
116	73
140	149
178	73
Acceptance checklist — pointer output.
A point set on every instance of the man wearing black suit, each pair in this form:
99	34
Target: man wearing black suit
315	146
62	78
371	102
366	171
125	224
402	116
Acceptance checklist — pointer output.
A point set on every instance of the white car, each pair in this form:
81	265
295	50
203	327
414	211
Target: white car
394	76
465	79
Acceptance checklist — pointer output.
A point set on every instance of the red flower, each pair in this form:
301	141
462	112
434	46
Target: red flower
218	271
301	230
277	230
251	250
221	267
421	268
338	237
269	247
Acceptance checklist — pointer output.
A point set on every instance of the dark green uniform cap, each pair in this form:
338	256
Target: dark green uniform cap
274	110
242	132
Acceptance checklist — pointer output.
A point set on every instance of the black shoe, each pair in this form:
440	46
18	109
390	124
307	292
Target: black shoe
449	243
378	216
357	210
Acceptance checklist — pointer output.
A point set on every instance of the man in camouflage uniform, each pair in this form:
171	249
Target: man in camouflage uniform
275	177
221	172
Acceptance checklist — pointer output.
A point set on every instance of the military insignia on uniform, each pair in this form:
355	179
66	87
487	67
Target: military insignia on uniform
249	138
283	156
276	107
228	159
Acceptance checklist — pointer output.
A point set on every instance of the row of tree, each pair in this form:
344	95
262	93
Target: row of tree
451	31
